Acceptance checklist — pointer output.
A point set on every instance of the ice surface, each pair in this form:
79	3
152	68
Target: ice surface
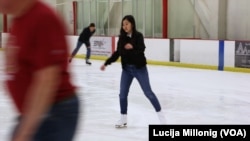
187	96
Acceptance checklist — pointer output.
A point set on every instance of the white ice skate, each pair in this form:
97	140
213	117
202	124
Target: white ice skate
122	122
161	117
88	62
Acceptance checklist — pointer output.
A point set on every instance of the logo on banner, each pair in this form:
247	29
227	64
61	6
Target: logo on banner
99	43
242	54
243	50
101	46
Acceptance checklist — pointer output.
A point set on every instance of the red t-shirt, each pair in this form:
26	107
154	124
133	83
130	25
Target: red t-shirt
39	40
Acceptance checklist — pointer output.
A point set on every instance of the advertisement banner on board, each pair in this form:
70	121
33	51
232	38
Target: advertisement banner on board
242	54
101	46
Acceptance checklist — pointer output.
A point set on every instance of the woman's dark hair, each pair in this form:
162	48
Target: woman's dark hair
131	19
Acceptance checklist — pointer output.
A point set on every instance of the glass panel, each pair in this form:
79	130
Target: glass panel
238	21
79	20
149	18
107	15
115	16
193	19
157	18
83	15
102	17
181	19
128	7
140	16
93	12
65	10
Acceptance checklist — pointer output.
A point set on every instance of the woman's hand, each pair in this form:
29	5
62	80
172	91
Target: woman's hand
103	68
128	46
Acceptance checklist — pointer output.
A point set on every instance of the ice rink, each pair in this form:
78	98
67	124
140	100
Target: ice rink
187	96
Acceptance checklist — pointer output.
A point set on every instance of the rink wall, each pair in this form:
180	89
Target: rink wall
102	47
203	54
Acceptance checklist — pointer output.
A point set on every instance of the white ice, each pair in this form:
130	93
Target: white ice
187	96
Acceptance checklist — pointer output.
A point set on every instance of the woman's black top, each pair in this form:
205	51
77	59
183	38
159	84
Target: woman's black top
133	56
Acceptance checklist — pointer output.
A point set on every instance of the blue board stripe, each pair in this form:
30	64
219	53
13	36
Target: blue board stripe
221	55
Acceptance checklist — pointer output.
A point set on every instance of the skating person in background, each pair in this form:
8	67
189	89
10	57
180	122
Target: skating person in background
38	78
131	49
84	38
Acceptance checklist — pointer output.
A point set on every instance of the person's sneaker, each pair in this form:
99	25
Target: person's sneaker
122	122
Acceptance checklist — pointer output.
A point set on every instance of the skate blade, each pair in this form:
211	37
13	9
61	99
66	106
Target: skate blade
121	126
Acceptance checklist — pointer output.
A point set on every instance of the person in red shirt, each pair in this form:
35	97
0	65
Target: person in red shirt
38	77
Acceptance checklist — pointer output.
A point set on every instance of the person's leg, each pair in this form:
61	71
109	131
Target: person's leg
143	79
126	80
142	76
61	123
78	46
88	53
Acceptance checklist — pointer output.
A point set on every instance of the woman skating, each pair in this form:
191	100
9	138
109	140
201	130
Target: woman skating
131	49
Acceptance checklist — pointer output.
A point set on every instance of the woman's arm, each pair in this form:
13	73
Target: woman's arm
115	55
139	43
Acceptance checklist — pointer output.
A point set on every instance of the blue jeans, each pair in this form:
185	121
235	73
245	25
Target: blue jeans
78	46
60	123
141	74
